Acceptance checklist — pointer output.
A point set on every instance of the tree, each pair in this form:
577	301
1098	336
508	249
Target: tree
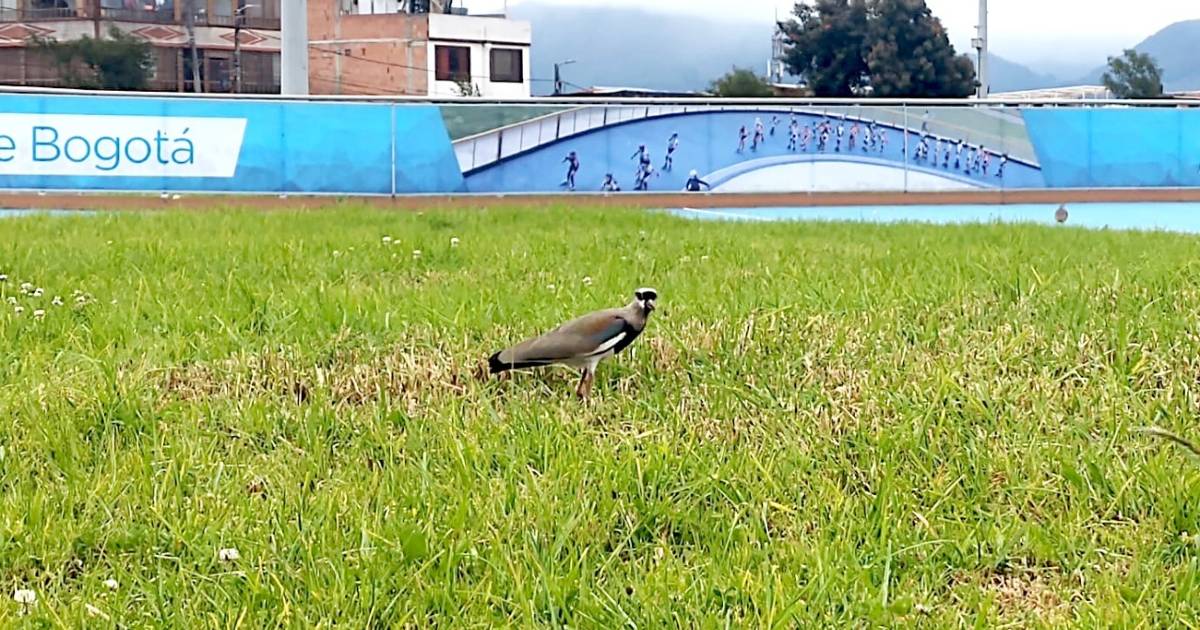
740	82
1134	75
118	62
892	48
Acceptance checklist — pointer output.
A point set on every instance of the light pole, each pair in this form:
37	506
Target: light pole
980	43
558	85
239	18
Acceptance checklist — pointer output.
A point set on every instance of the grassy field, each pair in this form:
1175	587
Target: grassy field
823	424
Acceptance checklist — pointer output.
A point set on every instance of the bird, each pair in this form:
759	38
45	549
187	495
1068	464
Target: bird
581	343
1060	215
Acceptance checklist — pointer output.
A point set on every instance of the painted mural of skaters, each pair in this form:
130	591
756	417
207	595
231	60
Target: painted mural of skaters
572	161
937	151
759	136
872	136
806	136
672	144
823	140
949	150
742	135
986	161
610	184
854	130
694	183
793	136
774	123
958	154
882	139
1000	168
841	131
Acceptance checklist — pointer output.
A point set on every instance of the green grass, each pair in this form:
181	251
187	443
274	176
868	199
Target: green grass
823	425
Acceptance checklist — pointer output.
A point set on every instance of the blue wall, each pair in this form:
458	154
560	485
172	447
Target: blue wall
1126	147
225	145
215	145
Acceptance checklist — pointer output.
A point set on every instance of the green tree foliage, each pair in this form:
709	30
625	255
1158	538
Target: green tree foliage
886	48
118	62
1133	75
740	82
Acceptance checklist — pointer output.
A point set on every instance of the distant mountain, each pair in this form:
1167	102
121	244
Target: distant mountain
624	47
1174	49
1010	76
633	48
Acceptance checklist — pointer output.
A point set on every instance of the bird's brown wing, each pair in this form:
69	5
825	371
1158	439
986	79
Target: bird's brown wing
579	338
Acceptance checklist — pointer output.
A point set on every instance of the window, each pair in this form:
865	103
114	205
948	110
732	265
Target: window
506	65
453	63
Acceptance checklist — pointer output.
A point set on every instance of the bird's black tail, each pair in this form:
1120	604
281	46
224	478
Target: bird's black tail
496	366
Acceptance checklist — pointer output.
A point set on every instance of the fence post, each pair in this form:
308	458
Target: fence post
904	130
392	110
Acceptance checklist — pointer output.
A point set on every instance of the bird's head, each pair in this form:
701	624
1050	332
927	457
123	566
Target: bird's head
645	298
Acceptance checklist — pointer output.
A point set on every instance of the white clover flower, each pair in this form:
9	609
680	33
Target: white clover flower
229	554
704	258
92	611
111	584
57	301
454	241
38	292
587	281
18	309
80	299
3	277
39	313
25	596
387	239
550	287
12	300
336	253
416	253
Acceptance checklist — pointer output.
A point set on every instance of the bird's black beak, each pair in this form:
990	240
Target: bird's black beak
649	305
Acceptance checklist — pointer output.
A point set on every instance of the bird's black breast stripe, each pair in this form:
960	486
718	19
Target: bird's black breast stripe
631	333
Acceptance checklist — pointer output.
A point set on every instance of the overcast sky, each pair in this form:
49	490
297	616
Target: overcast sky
1063	33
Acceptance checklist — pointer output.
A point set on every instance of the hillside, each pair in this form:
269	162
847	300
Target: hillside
631	47
1174	49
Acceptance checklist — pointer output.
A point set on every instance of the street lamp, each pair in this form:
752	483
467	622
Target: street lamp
239	18
558	85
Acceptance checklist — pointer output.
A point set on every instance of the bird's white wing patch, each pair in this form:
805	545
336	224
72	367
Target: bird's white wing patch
610	344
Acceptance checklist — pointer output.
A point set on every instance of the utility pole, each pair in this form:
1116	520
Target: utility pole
189	21
980	43
239	20
558	84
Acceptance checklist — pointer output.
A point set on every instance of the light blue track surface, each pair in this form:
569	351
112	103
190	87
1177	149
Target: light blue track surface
1175	217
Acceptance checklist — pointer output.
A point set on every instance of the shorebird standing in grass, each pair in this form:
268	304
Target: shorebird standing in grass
1060	215
581	343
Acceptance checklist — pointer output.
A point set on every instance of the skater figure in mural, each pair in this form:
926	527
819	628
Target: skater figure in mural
937	151
758	134
642	182
823	140
794	137
742	135
958	155
672	144
985	161
1000	168
572	161
806	136
853	136
774	123
882	139
946	158
643	157
610	184
841	131
694	183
